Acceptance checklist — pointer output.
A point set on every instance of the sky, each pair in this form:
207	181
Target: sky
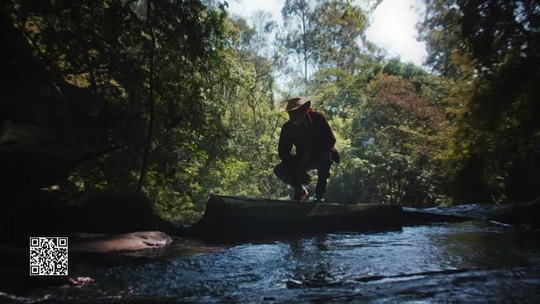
393	24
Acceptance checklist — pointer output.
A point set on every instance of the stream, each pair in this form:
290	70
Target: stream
473	261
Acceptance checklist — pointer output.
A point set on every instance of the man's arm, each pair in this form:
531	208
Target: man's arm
324	135
284	147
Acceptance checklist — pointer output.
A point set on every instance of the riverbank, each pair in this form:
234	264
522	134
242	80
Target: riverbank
90	252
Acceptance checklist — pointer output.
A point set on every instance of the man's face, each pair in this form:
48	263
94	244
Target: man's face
297	116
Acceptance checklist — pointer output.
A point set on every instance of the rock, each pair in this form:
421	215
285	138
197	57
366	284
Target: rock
522	215
110	213
122	242
169	227
99	213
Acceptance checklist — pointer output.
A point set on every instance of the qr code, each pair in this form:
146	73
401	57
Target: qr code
48	256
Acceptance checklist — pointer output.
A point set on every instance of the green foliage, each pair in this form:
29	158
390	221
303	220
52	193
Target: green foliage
243	160
105	48
338	26
324	34
393	147
441	31
494	106
203	90
336	91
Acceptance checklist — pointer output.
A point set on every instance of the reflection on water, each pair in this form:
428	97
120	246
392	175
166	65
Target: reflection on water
461	262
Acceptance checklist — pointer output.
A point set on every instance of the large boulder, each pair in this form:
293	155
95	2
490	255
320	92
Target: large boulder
522	215
104	213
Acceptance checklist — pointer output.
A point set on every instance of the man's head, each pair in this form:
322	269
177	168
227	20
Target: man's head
297	108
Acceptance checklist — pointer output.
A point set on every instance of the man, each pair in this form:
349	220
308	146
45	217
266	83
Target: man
309	132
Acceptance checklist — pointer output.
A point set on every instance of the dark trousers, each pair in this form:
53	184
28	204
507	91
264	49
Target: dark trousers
291	176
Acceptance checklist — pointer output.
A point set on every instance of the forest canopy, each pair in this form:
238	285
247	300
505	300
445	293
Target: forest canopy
180	100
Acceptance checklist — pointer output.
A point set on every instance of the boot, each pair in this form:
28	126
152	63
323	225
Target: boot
300	193
319	200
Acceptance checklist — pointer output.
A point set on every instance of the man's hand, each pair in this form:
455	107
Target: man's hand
335	156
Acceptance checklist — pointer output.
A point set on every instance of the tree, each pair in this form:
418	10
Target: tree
493	103
502	39
103	49
296	15
245	157
325	33
393	146
440	29
339	29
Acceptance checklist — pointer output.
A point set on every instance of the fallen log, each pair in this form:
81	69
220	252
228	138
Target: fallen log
227	218
414	217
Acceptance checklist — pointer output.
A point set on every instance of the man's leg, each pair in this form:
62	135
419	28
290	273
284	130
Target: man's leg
322	164
291	177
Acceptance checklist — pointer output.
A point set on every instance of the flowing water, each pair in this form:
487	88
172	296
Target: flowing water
457	262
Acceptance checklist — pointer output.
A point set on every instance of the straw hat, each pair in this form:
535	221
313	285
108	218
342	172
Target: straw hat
296	103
